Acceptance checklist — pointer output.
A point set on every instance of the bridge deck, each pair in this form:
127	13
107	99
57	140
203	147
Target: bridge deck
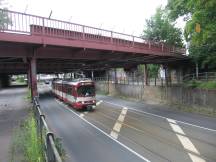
54	42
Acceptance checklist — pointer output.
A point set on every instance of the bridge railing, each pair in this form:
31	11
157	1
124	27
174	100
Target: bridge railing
46	136
21	23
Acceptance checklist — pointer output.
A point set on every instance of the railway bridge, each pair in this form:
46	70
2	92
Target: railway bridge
32	44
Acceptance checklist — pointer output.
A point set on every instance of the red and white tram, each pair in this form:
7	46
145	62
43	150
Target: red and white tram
79	93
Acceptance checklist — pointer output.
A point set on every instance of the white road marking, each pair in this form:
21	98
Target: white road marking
117	127
196	158
81	115
123	145
99	102
114	134
185	141
144	112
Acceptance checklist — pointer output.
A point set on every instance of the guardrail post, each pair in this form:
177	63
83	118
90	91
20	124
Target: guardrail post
83	32
50	154
149	45
43	27
41	125
111	37
133	41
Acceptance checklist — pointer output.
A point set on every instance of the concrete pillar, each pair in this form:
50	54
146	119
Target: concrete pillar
4	80
29	76
115	70
33	77
145	74
108	83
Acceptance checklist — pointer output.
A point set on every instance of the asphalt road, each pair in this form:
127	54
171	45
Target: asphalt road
82	141
161	110
144	132
13	109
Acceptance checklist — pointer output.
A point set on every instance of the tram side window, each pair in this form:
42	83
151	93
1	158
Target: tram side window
69	90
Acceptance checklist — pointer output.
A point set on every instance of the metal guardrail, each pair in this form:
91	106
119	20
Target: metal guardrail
206	76
47	137
22	23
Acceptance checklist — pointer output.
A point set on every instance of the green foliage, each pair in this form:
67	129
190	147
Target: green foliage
202	44
59	147
200	84
20	79
4	18
160	28
152	70
27	143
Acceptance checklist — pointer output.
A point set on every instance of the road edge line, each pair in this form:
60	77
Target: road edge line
123	145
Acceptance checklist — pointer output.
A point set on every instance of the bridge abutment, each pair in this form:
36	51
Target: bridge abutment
4	80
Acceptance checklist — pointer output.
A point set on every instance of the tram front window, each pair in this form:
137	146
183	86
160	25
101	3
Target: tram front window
86	90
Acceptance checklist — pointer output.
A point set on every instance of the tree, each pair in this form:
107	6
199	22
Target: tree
4	18
201	14
161	29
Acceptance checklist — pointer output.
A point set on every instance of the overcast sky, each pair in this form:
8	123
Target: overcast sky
127	16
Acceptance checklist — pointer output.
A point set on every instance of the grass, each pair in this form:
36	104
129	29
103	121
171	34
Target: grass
26	145
59	147
200	84
28	95
20	80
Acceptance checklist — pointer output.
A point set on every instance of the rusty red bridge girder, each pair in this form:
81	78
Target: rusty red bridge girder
31	44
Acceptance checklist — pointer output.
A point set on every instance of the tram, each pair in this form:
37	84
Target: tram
79	93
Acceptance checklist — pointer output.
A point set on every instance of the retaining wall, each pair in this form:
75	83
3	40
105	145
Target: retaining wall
175	94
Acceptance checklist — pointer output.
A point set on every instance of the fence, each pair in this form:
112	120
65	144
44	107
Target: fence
47	137
206	76
21	23
138	80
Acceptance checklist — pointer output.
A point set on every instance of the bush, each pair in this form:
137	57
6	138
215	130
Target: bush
200	84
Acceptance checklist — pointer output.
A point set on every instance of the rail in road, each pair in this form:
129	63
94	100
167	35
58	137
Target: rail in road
119	133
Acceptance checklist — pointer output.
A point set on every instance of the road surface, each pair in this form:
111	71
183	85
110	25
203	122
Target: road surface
119	130
13	109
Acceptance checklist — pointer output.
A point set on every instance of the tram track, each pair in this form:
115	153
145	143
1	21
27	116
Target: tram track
153	135
157	125
108	129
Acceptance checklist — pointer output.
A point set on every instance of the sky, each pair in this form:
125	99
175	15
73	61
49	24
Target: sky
125	16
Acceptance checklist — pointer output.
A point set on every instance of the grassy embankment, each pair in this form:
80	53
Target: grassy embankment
26	144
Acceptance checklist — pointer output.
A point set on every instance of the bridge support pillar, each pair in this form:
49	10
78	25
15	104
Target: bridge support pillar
29	76
33	77
115	71
146	75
